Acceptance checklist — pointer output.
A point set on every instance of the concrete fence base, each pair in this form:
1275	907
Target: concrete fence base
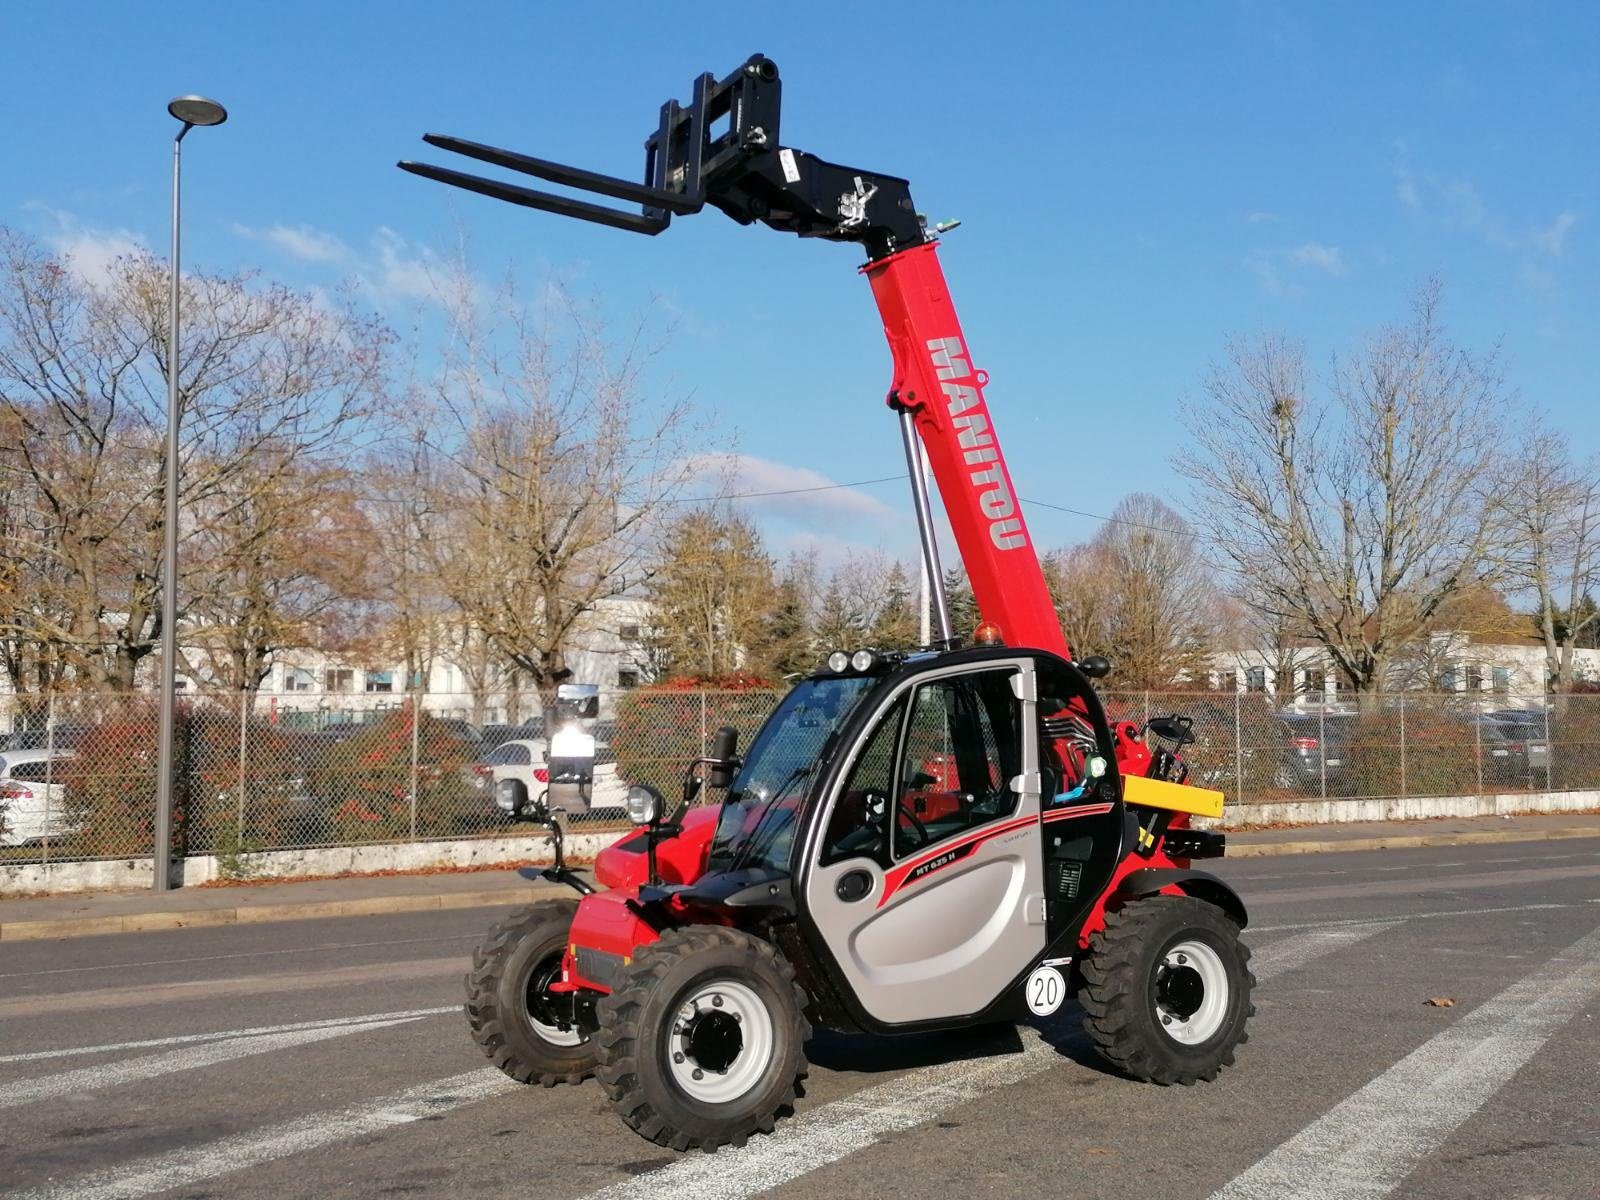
1408	808
299	864
490	852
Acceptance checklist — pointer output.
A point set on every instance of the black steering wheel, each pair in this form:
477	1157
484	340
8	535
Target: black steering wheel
923	836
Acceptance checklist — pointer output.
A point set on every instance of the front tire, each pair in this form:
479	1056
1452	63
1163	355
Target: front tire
1167	989
508	1009
703	1041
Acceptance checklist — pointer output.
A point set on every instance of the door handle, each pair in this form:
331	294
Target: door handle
853	885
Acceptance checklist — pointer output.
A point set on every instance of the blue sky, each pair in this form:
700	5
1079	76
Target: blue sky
1136	184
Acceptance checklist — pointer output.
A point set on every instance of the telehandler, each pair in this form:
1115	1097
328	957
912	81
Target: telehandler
942	838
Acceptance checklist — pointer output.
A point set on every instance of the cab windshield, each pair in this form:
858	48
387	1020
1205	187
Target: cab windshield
757	823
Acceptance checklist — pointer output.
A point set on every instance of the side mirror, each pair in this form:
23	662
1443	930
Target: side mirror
724	746
1175	729
570	759
1095	666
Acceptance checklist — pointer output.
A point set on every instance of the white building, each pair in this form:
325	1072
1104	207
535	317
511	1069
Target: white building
1498	672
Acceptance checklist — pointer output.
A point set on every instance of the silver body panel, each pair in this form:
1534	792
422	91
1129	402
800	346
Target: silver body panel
945	944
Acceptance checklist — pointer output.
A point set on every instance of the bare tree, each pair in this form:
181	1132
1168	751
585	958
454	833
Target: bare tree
1554	510
283	563
1140	592
271	380
1354	514
552	471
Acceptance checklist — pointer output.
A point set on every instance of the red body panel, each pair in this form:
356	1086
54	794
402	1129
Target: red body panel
607	924
1096	920
934	377
681	859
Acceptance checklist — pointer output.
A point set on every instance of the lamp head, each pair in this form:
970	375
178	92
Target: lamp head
197	110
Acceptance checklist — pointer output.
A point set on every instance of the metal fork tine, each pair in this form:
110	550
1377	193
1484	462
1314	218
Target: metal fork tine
529	198
589	181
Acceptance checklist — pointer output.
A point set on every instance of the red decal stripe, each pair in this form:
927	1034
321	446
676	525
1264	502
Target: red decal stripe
896	878
1086	810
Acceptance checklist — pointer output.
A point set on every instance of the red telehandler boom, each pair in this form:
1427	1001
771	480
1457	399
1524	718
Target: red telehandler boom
931	839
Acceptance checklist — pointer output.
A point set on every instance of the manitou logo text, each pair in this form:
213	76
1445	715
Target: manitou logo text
977	443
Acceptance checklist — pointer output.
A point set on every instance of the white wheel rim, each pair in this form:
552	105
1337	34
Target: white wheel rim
555	1035
719	1002
1183	1023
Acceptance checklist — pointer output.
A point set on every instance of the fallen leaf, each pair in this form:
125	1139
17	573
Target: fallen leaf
1441	1002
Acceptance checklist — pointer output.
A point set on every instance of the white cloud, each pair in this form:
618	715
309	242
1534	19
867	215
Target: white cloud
90	251
792	493
1315	254
1264	266
1262	218
301	242
1456	203
1552	239
402	271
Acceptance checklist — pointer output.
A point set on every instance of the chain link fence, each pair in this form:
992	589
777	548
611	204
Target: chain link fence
78	779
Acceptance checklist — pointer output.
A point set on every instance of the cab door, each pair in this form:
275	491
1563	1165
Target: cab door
925	872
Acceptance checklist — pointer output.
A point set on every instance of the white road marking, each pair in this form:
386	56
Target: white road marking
168	962
825	1135
1296	951
1420	916
222	1034
179	1168
84	1079
1365	1146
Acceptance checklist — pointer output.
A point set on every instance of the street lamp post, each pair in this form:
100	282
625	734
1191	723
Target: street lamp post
192	111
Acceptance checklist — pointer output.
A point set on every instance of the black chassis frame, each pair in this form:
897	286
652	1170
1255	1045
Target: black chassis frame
767	903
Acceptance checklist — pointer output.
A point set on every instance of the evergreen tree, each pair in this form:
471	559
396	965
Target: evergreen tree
895	625
713	596
961	603
787	649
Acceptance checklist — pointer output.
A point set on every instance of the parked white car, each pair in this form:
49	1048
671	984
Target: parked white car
516	774
30	808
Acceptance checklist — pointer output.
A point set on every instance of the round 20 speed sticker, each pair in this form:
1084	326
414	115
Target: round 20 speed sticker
1047	991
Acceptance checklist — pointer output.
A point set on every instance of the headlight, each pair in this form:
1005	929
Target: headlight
643	804
838	662
1097	766
862	660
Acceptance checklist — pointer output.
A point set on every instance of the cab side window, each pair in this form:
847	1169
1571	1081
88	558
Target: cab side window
962	748
856	828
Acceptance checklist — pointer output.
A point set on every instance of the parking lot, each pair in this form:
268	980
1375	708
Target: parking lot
308	1058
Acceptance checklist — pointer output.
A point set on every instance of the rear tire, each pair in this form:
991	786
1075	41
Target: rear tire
507	1008
1167	989
703	1041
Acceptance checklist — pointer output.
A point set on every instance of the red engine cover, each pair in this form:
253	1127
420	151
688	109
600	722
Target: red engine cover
680	859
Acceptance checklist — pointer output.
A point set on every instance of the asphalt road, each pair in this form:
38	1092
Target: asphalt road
329	1057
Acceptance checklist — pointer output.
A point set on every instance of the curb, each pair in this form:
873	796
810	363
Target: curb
207	918
1407	841
210	918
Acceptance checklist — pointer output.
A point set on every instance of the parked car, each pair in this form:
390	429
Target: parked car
1515	749
30	807
515	775
1316	747
496	735
465	731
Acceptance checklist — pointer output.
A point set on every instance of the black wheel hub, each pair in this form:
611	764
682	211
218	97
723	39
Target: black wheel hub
543	1007
713	1039
1180	990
